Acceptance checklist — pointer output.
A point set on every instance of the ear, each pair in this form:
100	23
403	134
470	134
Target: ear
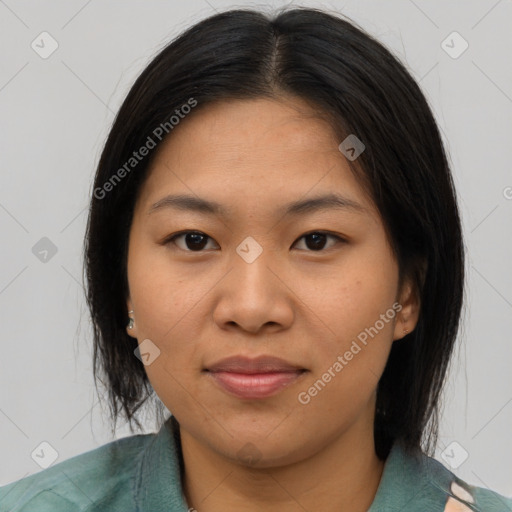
407	318
129	307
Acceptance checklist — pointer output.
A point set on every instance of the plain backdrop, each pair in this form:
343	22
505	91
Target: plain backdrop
55	114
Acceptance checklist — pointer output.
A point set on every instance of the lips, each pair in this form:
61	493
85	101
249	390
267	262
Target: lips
254	378
262	364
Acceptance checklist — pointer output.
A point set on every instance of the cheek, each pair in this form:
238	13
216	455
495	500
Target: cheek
350	304
357	319
348	368
162	294
163	302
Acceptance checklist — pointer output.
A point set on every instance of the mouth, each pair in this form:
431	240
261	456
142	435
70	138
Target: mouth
255	378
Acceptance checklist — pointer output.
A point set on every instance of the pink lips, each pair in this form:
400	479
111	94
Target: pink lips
254	378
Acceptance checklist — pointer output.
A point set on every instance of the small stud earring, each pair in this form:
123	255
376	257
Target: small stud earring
131	321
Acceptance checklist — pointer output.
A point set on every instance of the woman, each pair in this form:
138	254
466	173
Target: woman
274	248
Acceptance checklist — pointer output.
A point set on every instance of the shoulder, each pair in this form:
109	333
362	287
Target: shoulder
460	496
415	482
81	483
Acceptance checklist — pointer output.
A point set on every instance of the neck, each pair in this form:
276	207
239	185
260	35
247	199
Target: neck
343	476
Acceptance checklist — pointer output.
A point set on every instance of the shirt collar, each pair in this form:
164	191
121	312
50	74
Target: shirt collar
408	482
157	479
411	481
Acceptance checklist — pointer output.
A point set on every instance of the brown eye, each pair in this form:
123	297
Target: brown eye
191	241
316	240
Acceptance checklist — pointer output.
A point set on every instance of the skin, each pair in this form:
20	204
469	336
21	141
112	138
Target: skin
294	302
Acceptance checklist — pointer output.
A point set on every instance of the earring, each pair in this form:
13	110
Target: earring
131	321
405	330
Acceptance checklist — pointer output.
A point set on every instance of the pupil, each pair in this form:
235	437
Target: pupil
195	237
319	243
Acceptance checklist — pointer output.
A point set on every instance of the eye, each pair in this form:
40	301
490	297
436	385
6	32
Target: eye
196	241
316	240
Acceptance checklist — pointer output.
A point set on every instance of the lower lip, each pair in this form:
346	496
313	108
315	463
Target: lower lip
259	385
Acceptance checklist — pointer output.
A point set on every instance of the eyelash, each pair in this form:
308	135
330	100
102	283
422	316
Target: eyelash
171	239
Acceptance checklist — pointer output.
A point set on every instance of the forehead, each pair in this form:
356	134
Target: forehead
257	149
251	129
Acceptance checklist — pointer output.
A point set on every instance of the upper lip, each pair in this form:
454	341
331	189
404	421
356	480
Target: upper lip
261	364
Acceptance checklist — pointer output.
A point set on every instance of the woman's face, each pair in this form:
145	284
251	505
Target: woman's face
258	282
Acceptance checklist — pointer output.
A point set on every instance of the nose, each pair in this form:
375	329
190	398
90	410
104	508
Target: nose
254	296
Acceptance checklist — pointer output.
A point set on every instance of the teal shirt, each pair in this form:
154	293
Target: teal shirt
142	473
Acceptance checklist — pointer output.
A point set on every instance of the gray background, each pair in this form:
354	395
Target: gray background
56	113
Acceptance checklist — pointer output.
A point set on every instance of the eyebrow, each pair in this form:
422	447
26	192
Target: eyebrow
331	201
